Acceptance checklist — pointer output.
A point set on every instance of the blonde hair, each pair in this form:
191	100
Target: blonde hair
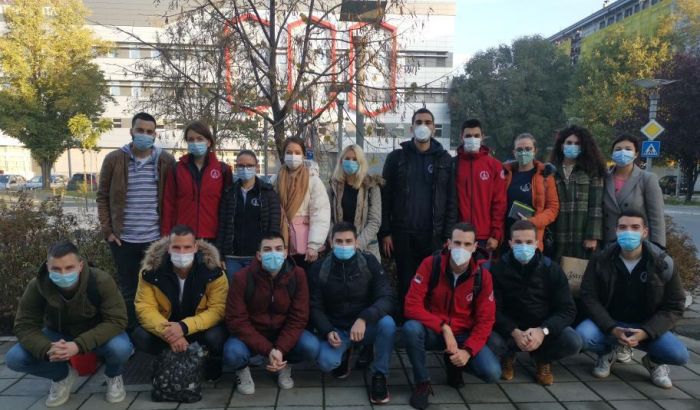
339	173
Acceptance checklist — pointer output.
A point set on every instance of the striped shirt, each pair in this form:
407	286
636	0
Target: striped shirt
141	221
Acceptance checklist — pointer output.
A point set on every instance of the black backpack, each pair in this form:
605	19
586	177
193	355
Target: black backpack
435	277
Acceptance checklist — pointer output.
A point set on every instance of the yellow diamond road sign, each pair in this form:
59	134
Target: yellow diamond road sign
652	129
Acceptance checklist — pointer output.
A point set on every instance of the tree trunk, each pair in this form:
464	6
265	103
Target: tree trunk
46	174
690	174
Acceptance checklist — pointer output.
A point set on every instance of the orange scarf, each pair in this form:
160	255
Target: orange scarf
291	188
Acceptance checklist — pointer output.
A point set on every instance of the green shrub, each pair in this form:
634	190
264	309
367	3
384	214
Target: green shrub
27	229
684	253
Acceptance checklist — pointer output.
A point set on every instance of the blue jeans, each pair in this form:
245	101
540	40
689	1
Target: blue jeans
380	334
237	354
233	265
115	353
666	349
419	339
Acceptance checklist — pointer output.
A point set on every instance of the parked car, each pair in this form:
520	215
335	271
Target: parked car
11	182
57	181
78	179
668	185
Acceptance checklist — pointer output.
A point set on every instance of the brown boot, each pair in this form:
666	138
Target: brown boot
544	374
507	367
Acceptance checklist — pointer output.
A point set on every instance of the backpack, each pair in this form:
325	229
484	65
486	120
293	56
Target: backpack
435	277
250	287
326	268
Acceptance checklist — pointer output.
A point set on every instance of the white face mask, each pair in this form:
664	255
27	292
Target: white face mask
422	133
293	161
472	144
182	260
460	256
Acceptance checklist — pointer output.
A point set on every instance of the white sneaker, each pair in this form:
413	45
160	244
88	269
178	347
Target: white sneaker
660	373
60	390
245	383
604	364
284	378
624	353
115	389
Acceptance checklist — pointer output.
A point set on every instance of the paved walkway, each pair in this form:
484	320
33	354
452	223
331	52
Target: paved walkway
627	388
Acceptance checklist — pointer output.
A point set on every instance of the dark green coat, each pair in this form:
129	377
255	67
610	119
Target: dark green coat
580	212
42	305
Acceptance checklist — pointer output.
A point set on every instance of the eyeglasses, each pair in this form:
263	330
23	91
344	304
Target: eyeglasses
524	149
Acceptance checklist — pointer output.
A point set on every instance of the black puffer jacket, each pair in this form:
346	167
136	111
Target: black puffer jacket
531	295
269	213
401	169
664	293
348	294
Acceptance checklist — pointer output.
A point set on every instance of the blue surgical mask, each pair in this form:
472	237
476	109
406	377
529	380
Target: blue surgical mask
343	252
143	142
272	261
64	280
350	167
571	151
523	252
198	149
245	174
525	157
629	240
623	157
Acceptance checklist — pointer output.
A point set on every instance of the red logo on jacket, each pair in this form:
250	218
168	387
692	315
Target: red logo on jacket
215	174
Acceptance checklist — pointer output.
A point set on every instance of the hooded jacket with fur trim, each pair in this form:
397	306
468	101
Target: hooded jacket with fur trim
204	296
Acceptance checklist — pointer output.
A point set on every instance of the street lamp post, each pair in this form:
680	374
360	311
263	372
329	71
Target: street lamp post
340	124
654	85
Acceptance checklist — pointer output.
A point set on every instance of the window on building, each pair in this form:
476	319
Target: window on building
636	8
134	53
611	20
116	122
654	2
601	25
438	131
380	130
628	12
136	90
618	17
114	90
155	53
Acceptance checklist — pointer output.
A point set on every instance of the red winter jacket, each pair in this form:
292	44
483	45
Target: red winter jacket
481	192
453	306
273	318
191	203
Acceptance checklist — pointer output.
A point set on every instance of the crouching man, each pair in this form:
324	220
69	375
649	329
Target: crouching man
634	297
266	313
68	309
181	298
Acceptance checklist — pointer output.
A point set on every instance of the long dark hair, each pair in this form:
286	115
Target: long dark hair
590	159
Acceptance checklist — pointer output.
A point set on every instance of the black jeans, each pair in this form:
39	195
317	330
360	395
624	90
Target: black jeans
213	338
409	251
128	260
554	347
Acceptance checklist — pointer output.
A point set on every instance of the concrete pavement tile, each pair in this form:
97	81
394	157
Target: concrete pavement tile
522	375
400	395
75	401
540	406
98	402
634	405
578	359
679	404
2	358
694	358
486	393
299	408
211	399
395	362
357	379
304	396
346	396
307	378
446	394
434	360
19	402
587	405
583	373
561	374
437	375
396	377
657	393
630	372
138	387
694	367
492	406
682	373
6	373
352	407
5	383
28	387
143	402
691	387
524	393
263	378
263	397
576	391
615	390
433	406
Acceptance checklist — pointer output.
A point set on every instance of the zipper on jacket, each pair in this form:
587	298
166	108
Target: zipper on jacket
471	188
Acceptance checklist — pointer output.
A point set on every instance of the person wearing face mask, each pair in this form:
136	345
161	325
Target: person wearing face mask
181	298
534	307
129	202
355	197
481	191
530	182
634	298
70	308
419	203
249	207
351	304
193	190
450	308
627	187
266	314
306	211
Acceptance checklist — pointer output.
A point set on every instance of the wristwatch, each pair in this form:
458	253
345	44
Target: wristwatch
545	331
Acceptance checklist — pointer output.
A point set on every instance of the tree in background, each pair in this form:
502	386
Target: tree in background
86	134
48	76
513	89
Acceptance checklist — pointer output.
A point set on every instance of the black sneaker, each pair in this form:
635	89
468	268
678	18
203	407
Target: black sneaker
366	357
212	370
454	373
343	371
379	393
419	398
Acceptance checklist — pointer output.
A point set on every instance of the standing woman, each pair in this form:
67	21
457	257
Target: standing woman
579	179
530	182
628	187
193	191
356	198
306	214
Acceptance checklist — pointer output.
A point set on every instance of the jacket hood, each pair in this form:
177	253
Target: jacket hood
155	155
483	151
435	147
158	251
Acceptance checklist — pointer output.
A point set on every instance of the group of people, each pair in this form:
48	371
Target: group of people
291	271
